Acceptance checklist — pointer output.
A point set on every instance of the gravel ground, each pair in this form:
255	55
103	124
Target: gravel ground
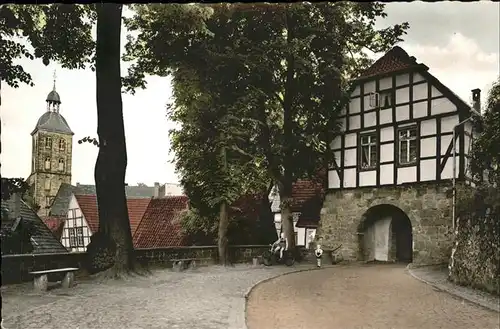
360	297
205	298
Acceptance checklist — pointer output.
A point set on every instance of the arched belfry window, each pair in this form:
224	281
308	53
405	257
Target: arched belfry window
62	144
47	163
48	143
61	165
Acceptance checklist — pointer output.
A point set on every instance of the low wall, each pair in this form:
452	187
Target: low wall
16	268
475	259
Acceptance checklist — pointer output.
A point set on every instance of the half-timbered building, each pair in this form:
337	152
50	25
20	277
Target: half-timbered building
389	194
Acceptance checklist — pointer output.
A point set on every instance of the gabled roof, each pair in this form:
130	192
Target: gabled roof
88	206
60	204
44	240
394	60
160	226
398	60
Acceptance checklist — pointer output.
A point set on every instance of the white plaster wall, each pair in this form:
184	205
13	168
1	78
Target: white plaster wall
387	134
350	177
402	113
428	147
428	169
420	110
402	79
350	140
428	127
387	174
368	178
407	174
333	179
442	105
350	157
355	122
71	223
420	92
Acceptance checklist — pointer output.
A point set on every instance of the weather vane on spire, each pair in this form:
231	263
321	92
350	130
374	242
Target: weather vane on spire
55	76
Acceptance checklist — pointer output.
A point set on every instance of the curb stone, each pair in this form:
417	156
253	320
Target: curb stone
449	291
249	290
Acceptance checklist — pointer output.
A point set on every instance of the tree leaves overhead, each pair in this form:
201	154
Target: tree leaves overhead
486	146
283	69
56	32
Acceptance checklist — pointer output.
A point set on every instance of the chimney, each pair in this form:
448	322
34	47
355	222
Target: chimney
156	190
17	206
77	184
476	99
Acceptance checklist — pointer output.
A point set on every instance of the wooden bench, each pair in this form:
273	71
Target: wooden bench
184	263
41	281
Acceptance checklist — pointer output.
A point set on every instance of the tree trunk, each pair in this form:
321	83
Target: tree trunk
223	218
288	101
114	227
222	236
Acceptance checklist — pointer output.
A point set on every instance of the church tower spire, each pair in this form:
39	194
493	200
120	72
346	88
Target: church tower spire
52	141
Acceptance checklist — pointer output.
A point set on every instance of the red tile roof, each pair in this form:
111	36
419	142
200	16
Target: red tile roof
394	60
88	206
160	226
55	224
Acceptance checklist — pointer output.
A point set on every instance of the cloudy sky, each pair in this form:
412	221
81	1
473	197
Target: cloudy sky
459	42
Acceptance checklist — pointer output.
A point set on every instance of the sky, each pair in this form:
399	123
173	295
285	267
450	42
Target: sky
459	42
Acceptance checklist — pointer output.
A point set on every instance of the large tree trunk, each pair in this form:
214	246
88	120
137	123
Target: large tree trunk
288	102
223	219
222	236
114	236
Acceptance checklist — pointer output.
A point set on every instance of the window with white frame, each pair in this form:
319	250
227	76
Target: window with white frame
368	145
79	236
408	145
72	237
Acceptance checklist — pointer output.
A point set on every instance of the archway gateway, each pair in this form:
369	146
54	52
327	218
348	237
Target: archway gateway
385	234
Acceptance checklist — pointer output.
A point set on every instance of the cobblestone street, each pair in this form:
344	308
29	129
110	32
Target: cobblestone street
360	297
206	298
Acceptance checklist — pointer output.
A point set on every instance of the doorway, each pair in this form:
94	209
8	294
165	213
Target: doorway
386	235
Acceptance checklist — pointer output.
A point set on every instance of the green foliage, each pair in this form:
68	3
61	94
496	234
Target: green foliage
486	146
55	32
264	80
281	64
11	186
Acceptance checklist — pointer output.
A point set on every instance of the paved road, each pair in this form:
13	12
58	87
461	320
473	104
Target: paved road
207	298
360	297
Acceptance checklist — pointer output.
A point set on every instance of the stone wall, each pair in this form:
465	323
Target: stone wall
475	259
16	268
428	206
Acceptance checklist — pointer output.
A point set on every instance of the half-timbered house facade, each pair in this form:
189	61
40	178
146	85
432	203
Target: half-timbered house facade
389	192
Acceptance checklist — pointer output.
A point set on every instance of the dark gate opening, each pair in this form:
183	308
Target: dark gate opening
400	233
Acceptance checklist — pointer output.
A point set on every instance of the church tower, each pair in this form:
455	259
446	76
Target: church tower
52	143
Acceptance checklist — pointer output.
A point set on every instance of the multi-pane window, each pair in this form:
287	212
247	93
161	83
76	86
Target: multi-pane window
72	237
368	151
408	145
48	143
62	144
79	236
